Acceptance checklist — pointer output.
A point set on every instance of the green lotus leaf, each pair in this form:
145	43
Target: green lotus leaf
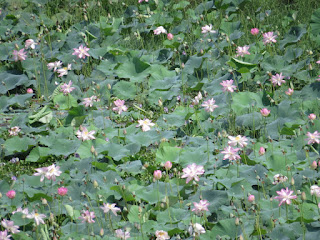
17	144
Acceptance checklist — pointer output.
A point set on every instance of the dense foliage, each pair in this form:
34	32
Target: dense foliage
159	119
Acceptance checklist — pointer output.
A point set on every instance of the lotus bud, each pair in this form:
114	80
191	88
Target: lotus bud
237	221
303	196
314	165
157	174
312	116
29	90
95	184
44	201
292	181
170	36
11	194
101	232
251	198
262	151
168	165
265	112
92	150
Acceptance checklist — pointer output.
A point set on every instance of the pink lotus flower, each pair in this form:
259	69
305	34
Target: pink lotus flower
4	235
88	102
41	172
145	124
159	30
269	37
64	71
209	105
277	79
170	36
120	107
289	92
196	229
313	137
279	178
54	65
315	190
238	140
192	171
241	51
228	86
122	234
197	99
19	55
19	209
200	207
168	165
14	131
83	134
66	88
38	218
157	175
87	216
30	43
207	28
110	207
9	225
53	172
62	191
312	116
254	31
81	52
11	194
140	1
231	153
265	112
162	235
285	196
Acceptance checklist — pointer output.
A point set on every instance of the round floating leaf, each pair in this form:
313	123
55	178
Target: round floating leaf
125	90
17	144
243	101
65	101
168	153
64	147
37	154
10	81
293	36
135	70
